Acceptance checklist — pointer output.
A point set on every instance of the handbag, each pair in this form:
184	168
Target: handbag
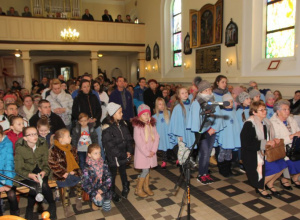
275	153
293	152
85	196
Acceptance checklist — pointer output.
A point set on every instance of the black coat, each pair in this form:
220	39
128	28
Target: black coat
117	141
89	104
250	146
295	108
150	98
107	18
56	122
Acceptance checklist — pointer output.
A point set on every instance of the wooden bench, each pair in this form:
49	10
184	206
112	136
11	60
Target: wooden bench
24	189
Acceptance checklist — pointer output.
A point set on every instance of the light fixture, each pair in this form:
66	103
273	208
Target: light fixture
100	55
17	53
186	65
69	35
155	68
229	62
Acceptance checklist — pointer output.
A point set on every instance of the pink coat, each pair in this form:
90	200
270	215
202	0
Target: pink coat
142	149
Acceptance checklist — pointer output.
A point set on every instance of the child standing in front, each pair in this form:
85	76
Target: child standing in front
16	129
118	145
228	138
162	117
178	133
83	134
146	143
63	161
96	179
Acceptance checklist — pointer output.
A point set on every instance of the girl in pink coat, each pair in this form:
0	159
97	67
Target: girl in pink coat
146	143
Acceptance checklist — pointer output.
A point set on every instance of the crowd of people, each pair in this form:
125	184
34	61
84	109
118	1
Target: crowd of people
83	131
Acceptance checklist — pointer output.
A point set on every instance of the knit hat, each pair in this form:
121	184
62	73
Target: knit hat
243	96
112	108
204	84
142	109
227	97
253	93
10	96
269	95
237	90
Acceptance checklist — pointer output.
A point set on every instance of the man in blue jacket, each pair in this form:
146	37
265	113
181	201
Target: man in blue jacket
138	95
122	97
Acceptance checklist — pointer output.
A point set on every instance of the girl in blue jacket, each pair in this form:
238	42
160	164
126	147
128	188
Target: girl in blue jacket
7	168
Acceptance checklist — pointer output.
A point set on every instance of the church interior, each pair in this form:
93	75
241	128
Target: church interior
235	41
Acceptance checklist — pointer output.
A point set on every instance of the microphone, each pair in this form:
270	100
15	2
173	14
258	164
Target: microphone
226	103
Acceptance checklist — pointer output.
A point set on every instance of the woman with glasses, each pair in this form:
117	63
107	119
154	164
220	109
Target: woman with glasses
31	161
286	127
258	132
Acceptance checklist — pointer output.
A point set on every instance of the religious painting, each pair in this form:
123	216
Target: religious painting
186	43
208	60
231	34
156	51
194	29
218	21
207	25
148	53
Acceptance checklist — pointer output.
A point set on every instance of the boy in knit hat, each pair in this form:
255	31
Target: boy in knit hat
270	100
118	145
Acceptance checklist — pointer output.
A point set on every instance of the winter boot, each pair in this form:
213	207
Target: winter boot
29	213
146	186
94	207
52	211
125	190
115	196
78	191
223	168
229	168
139	188
64	194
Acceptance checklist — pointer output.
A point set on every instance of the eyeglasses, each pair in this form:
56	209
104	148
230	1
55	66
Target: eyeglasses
31	135
262	110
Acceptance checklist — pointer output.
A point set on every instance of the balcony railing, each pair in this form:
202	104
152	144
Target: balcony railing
22	30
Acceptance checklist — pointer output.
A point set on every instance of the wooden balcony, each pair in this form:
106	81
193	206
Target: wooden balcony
22	30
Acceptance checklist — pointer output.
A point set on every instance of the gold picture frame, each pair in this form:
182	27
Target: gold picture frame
194	29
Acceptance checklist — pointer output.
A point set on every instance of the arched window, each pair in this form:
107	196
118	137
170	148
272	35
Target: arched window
176	32
280	37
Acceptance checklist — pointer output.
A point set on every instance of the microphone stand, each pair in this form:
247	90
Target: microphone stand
23	184
187	168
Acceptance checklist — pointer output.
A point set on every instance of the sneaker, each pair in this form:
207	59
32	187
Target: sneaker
177	162
209	179
202	179
163	165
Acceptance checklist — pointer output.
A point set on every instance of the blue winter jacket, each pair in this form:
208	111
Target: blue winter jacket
116	97
6	161
138	96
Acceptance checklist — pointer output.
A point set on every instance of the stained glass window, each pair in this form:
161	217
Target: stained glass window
176	31
280	38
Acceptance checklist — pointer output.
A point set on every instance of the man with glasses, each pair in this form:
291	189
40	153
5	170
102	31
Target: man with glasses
44	109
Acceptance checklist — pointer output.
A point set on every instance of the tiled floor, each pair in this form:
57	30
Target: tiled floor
227	198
